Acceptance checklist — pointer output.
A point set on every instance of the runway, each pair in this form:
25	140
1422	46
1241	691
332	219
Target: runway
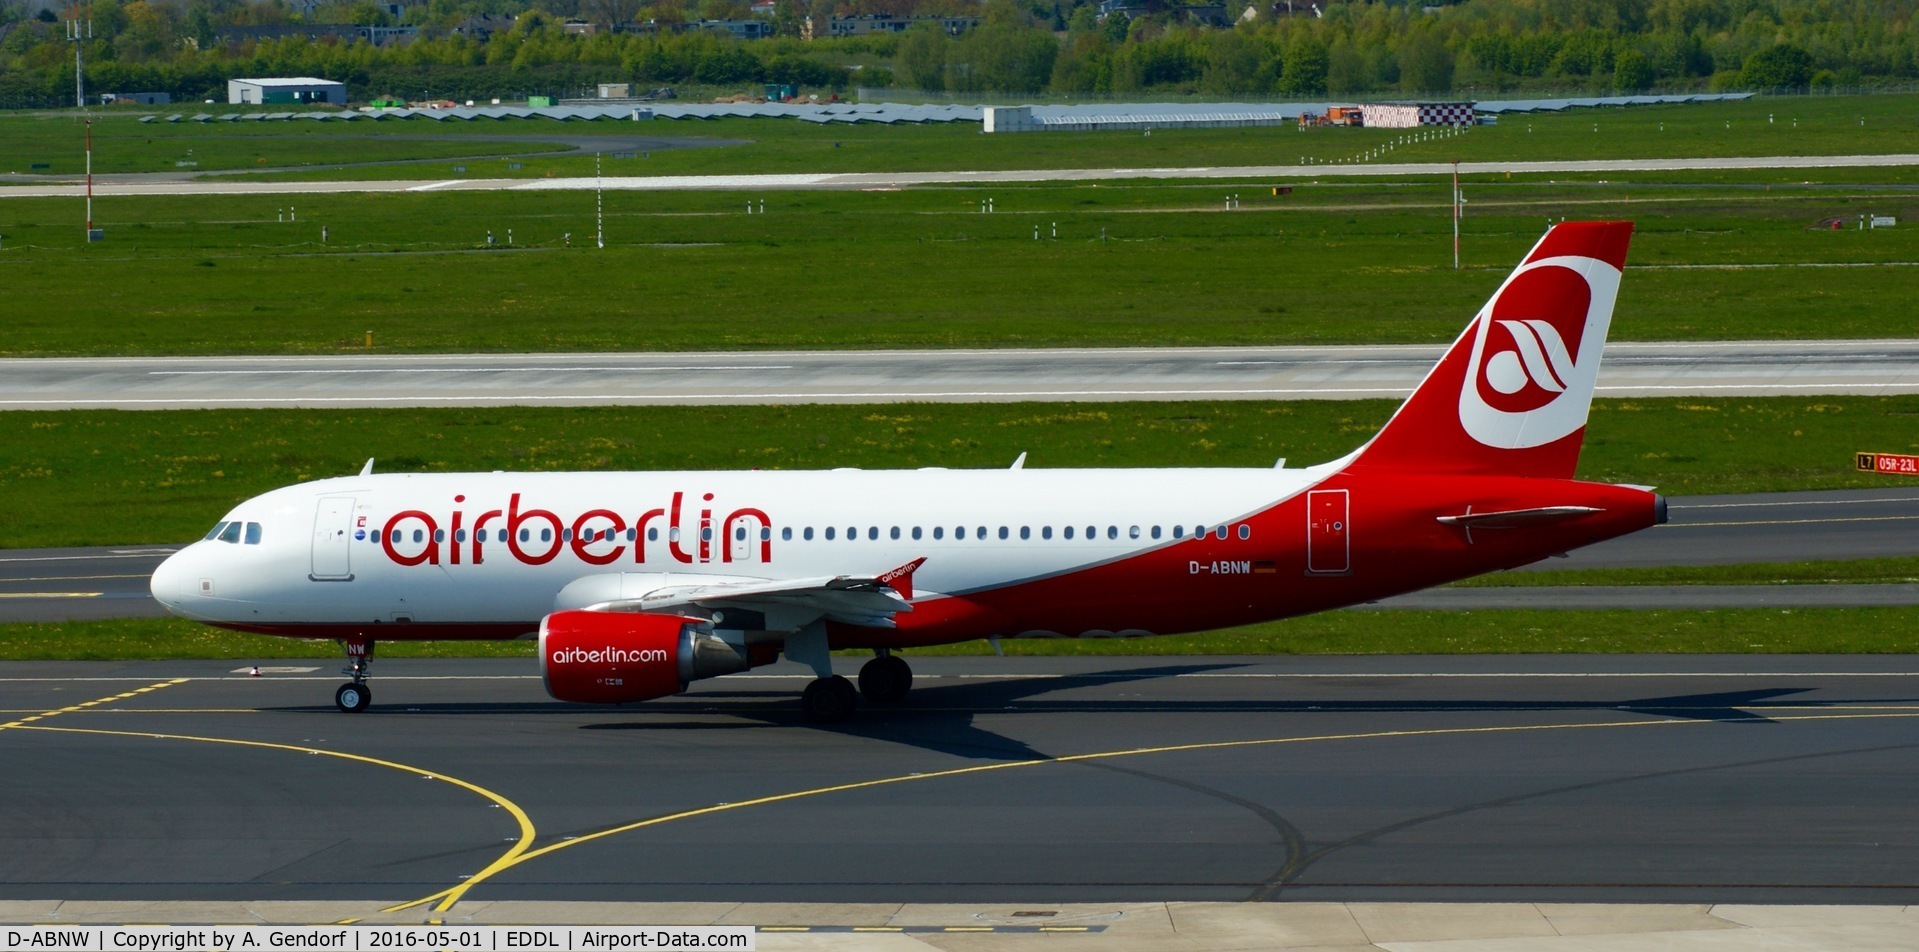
41	585
1641	369
1574	779
856	180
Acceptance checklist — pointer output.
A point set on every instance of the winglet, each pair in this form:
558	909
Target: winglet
367	470
1019	463
901	579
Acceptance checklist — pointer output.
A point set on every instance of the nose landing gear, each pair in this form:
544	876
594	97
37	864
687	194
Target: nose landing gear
354	696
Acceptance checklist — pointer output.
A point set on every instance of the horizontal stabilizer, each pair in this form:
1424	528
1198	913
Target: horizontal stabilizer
1518	518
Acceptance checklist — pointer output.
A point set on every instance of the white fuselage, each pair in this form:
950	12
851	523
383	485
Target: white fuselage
499	548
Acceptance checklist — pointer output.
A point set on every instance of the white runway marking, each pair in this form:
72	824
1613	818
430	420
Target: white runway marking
461	370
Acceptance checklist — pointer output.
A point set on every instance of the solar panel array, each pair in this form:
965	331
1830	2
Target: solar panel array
1085	116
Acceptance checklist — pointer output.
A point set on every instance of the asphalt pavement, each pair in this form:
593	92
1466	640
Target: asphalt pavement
1631	369
1687	779
854	180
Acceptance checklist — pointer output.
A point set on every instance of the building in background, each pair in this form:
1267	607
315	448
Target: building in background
139	99
299	89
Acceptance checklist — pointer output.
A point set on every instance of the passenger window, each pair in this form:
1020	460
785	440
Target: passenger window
526	535
739	533
807	534
1112	532
1002	532
253	533
632	534
766	533
916	533
373	536
419	535
500	535
566	535
439	535
1092	532
1045	532
672	535
1155	532
939	532
214	532
959	532
706	533
1179	532
1132	532
873	533
546	535
981	534
231	533
1219	533
786	534
459	535
1245	531
829	533
1025	532
852	533
1068	531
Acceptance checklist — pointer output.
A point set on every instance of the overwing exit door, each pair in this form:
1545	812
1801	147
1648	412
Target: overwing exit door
333	540
1328	542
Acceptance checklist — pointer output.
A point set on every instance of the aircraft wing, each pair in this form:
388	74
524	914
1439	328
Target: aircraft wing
870	601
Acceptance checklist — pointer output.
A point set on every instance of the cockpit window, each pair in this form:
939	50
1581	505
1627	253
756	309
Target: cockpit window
232	532
215	531
253	533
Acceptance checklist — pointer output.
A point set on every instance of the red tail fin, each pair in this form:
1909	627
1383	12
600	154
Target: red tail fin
1511	394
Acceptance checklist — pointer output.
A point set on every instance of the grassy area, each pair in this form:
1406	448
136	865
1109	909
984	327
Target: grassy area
1160	264
1853	572
1741	631
1764	126
104	477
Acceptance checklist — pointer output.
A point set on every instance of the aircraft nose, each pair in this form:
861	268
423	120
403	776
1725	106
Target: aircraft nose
170	581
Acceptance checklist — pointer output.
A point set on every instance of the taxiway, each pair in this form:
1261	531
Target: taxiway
1631	369
857	180
1569	778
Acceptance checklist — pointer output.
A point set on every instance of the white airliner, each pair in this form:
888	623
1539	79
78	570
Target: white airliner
638	583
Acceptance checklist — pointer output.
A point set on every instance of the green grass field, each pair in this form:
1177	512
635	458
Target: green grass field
112	477
1825	125
1740	631
1160	264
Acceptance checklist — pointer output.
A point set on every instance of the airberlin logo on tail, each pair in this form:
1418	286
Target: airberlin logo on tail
1536	353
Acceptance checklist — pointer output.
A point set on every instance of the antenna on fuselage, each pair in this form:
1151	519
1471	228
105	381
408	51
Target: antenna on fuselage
367	470
1019	463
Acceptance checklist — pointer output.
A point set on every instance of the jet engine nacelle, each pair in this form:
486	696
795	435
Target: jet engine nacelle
591	657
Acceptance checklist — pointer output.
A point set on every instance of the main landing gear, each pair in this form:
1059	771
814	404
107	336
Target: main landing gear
886	679
831	698
354	696
883	680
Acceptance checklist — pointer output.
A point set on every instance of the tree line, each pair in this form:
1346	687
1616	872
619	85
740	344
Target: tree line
1360	48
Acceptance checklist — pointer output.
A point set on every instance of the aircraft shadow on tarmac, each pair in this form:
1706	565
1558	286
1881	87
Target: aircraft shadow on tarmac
940	716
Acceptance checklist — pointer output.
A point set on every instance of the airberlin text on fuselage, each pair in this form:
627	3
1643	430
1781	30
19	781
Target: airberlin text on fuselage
609	655
597	536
